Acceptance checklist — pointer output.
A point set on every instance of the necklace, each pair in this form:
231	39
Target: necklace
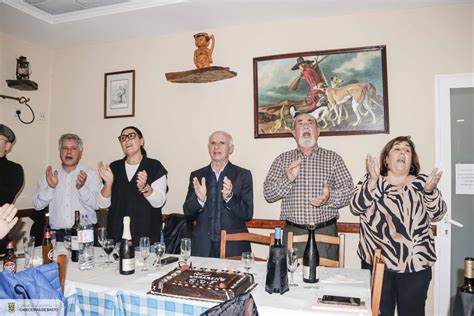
134	162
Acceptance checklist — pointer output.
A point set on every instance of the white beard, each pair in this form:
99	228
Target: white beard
307	142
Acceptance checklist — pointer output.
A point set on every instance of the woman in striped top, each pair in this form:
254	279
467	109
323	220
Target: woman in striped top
397	205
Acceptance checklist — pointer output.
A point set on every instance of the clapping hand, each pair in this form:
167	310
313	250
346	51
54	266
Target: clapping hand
293	170
227	189
105	172
81	179
432	180
7	218
373	170
323	198
200	189
142	177
51	177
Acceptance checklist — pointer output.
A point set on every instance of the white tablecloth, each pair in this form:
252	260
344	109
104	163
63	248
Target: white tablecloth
107	281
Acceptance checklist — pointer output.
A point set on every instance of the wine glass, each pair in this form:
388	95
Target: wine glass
159	251
67	243
108	246
248	260
144	250
101	237
185	249
292	259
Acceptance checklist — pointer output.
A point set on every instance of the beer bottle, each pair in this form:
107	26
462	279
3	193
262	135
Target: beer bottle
9	262
47	247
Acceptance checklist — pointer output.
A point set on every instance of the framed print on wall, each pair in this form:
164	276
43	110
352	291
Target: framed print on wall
344	89
119	94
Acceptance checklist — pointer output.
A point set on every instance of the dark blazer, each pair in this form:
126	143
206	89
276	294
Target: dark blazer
237	210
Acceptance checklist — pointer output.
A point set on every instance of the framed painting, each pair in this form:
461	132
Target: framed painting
119	94
344	89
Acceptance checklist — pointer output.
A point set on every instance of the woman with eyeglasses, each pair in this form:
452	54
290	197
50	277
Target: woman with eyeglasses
134	186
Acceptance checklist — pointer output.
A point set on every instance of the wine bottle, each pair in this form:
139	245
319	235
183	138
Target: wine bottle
9	262
277	236
47	247
74	241
468	286
311	258
127	251
276	280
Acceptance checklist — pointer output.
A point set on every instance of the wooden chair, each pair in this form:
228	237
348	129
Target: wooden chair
339	240
378	268
62	264
251	237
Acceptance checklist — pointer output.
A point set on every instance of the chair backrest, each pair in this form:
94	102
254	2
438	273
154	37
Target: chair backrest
62	265
251	237
334	240
378	269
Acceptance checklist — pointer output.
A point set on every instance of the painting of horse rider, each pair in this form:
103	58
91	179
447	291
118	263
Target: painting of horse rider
344	89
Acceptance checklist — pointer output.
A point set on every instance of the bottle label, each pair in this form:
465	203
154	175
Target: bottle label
9	266
128	264
50	255
74	243
85	236
306	272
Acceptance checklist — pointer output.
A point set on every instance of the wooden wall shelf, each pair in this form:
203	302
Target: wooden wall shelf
202	75
24	85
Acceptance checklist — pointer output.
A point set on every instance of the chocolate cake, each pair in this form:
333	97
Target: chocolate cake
204	284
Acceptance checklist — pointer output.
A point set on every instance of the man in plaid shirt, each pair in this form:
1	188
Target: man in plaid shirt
312	182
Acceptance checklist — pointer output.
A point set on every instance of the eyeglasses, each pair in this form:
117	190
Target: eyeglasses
123	138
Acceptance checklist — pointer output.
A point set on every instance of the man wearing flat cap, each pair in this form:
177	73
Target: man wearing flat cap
11	173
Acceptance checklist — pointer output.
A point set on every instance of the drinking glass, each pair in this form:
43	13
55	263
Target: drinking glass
292	260
101	237
248	260
53	238
109	245
145	250
29	247
159	251
185	249
67	244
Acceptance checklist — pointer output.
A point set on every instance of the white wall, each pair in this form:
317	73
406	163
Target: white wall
176	119
31	147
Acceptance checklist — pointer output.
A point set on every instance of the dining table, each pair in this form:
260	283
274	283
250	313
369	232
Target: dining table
104	291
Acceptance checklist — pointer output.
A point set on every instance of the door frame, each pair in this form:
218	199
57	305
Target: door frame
443	86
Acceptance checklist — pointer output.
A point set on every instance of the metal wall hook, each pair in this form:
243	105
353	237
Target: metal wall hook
21	100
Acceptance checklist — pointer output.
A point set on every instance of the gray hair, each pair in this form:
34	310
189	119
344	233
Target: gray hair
229	137
65	137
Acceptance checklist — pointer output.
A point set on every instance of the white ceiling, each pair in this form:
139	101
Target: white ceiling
145	18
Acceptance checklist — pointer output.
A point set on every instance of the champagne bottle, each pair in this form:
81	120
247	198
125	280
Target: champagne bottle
74	241
47	247
468	286
277	236
311	258
9	262
127	251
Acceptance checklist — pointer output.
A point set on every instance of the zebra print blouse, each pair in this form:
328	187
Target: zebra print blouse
397	220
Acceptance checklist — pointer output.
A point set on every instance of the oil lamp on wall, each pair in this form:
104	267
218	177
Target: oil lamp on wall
23	69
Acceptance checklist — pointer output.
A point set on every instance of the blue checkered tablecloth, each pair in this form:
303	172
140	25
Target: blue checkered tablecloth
87	303
93	303
134	305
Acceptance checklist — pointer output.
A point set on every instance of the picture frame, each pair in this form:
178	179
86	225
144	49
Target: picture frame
119	94
344	89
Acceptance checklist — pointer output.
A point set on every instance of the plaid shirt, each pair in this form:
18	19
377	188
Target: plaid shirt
321	165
